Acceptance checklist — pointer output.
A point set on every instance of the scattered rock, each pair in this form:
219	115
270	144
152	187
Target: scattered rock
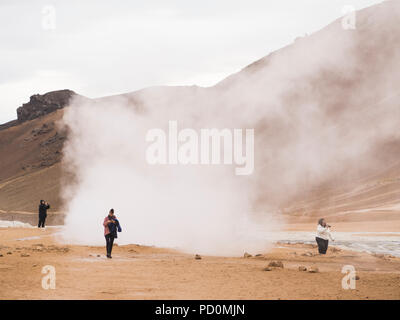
35	265
197	257
302	268
267	269
9	252
247	255
258	255
1	255
276	264
98	255
357	278
24	255
313	270
307	254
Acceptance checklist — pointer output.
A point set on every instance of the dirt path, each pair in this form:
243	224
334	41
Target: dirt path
138	272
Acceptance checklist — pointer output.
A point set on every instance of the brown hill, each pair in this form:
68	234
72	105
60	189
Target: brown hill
30	163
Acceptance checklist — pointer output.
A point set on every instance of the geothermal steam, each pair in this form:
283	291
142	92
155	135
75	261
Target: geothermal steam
322	110
196	208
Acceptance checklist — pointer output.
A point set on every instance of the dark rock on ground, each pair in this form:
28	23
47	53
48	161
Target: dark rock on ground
276	264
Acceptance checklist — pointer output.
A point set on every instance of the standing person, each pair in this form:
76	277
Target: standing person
111	226
323	236
43	207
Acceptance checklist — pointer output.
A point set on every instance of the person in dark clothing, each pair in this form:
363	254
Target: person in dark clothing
111	226
322	245
43	207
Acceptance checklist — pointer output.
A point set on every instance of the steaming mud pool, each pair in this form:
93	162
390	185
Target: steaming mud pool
370	242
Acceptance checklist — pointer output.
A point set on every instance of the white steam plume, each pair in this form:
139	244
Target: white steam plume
194	208
322	109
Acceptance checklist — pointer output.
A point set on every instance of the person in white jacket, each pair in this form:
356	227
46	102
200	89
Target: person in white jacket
323	236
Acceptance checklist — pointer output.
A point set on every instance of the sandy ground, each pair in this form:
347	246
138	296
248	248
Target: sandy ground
139	272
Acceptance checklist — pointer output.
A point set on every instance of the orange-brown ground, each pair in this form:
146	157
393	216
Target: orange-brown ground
139	272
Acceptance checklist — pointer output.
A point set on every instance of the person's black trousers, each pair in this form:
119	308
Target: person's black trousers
109	243
42	221
322	245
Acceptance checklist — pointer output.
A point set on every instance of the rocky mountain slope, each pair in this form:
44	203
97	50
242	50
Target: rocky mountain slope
30	168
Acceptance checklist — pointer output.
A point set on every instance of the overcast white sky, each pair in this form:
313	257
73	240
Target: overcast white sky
99	48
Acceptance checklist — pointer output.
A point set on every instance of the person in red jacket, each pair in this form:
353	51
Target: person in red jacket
111	225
